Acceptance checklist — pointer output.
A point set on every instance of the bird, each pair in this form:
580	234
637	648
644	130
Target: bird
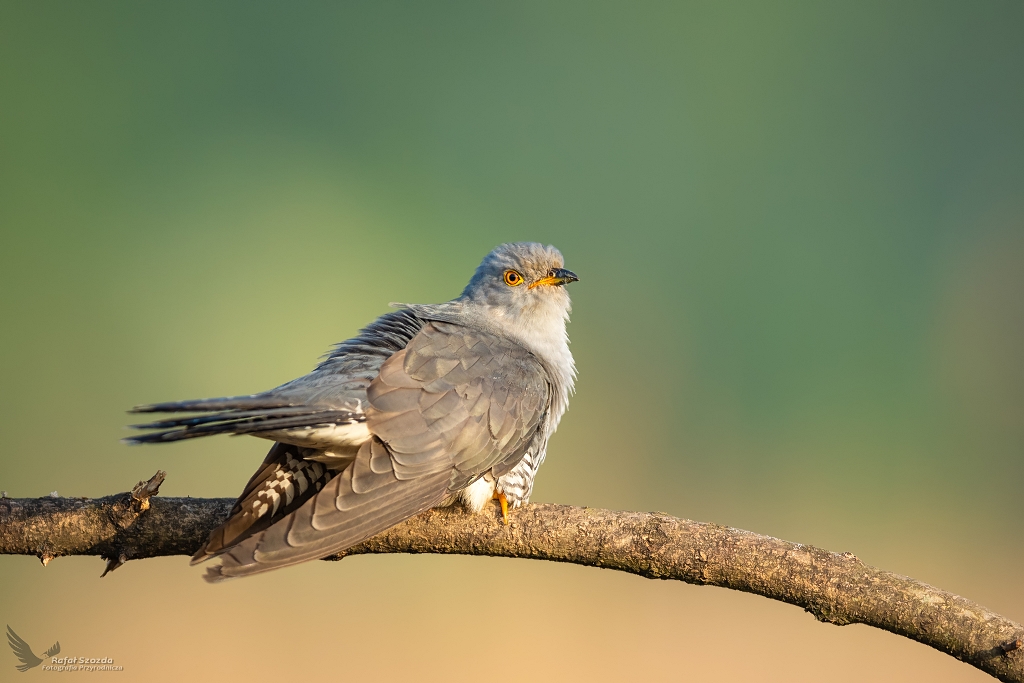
429	405
23	651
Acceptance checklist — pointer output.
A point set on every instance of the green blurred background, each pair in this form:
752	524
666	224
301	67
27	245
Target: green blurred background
800	232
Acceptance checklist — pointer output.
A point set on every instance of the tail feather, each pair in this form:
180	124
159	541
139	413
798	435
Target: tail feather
195	421
251	402
249	422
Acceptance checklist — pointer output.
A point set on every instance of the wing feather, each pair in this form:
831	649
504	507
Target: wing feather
450	406
285	476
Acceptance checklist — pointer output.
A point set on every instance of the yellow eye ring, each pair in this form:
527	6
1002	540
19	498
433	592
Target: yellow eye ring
513	279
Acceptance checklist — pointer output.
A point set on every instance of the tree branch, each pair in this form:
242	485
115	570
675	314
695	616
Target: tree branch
835	588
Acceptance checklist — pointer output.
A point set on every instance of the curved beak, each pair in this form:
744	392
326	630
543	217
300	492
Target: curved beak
558	277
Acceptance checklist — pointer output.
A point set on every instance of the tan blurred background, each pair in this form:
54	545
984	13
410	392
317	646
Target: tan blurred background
800	232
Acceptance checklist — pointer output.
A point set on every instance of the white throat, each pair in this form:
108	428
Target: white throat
541	329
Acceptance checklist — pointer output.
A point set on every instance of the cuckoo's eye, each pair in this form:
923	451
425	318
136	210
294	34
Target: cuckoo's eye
513	279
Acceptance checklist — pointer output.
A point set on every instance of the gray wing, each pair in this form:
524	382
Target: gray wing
302	412
458	398
284	481
452	405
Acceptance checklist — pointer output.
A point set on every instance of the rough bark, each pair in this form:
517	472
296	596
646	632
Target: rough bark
835	588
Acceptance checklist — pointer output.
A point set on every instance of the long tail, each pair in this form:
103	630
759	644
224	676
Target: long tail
235	415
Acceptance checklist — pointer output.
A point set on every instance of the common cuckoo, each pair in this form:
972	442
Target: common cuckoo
429	405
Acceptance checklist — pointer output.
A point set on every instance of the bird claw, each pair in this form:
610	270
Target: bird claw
503	500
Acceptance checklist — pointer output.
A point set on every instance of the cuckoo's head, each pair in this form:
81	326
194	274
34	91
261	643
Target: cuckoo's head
522	279
519	291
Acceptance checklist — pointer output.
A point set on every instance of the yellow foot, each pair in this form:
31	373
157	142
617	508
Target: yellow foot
500	497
